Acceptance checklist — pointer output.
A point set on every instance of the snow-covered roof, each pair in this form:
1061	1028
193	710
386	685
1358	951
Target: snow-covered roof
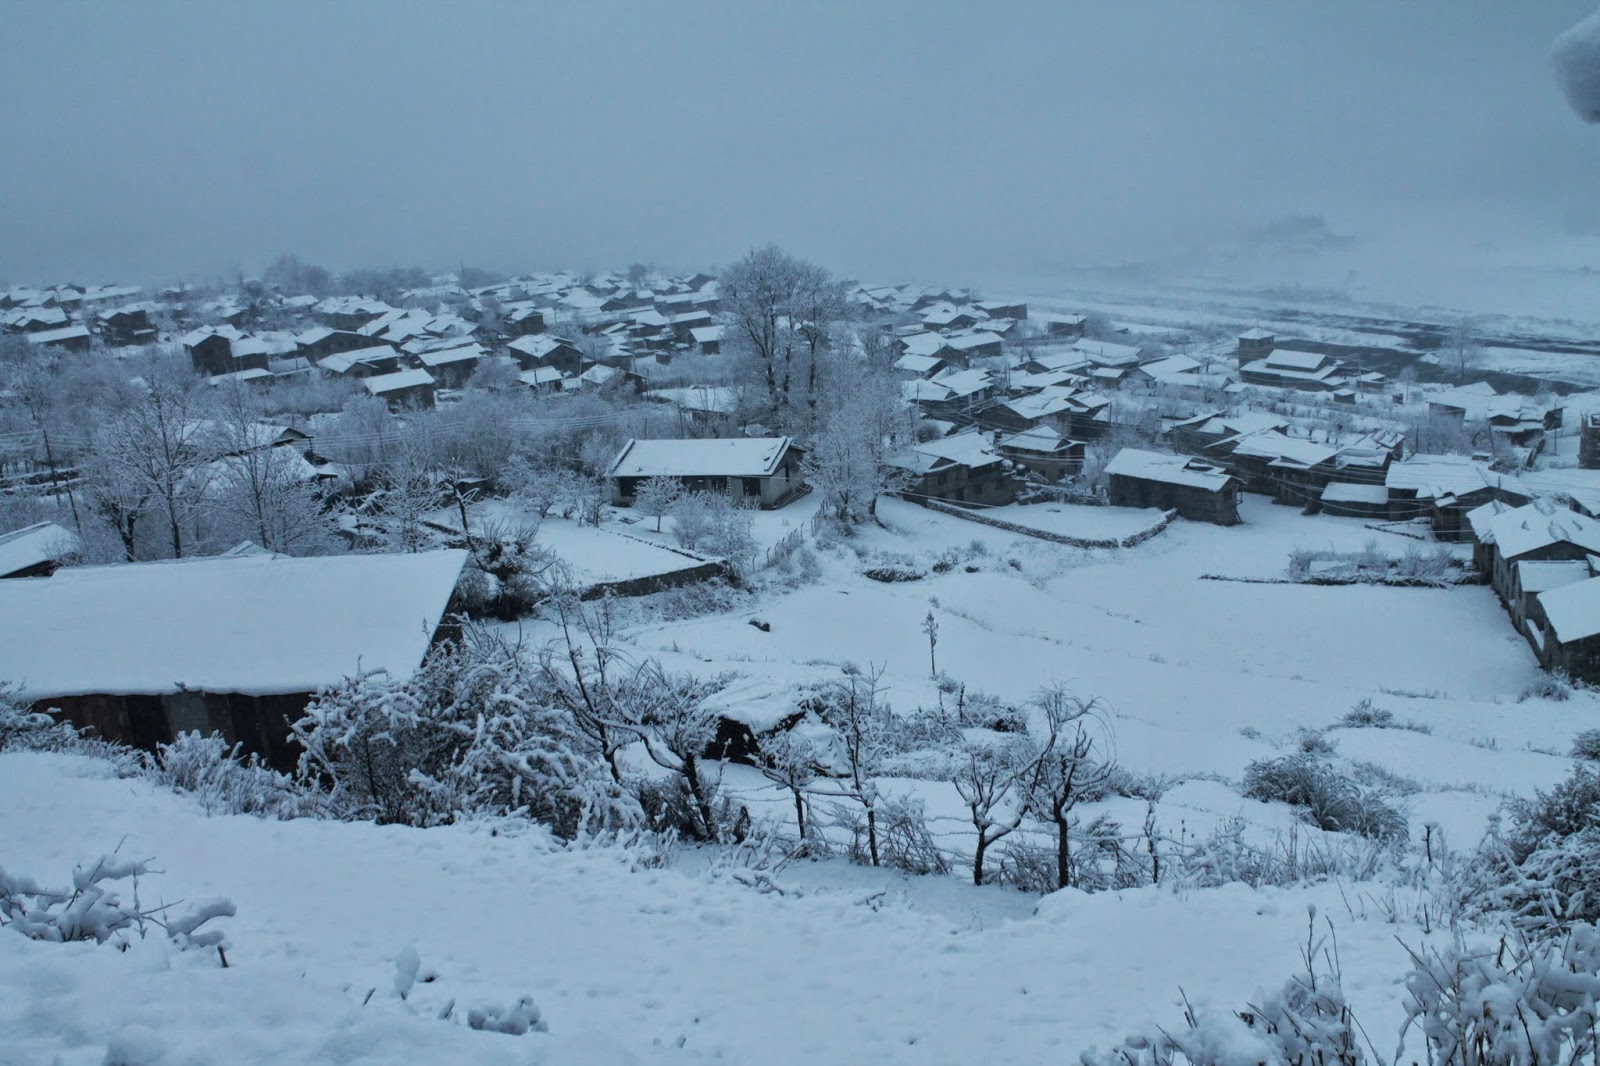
400	379
255	625
1433	476
707	334
1037	439
711	457
43	542
1105	353
1172	469
1542	575
1273	444
1573	610
439	357
1538	525
1257	334
1173	366
56	336
1582	486
1293	359
918	364
924	344
1347	492
967	342
540	375
341	362
711	399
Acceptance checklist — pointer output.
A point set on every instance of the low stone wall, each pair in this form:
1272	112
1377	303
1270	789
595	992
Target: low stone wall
644	586
1058	538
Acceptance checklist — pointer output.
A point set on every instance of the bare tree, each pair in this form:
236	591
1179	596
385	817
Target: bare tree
790	760
1462	352
994	783
853	705
1068	767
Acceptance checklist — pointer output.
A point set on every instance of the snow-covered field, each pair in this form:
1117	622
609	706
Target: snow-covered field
689	963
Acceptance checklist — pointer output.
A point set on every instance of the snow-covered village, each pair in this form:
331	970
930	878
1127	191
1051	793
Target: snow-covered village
775	648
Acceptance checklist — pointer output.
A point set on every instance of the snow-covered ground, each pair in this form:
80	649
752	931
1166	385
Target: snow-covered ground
628	965
688	963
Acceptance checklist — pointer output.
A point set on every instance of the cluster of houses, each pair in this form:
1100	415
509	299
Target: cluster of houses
616	334
72	317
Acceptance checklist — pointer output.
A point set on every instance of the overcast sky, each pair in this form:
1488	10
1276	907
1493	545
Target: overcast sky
938	140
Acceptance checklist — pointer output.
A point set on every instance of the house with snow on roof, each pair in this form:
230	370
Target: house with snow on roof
1536	532
236	645
964	468
1197	490
1290	368
1444	488
403	388
1564	629
1042	451
760	471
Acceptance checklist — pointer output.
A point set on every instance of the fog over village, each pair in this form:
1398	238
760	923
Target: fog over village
800	533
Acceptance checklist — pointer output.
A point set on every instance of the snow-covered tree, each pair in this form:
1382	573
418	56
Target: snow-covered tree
1067	767
656	496
145	457
257	490
853	706
780	311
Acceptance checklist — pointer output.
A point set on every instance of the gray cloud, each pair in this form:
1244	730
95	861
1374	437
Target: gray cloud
937	140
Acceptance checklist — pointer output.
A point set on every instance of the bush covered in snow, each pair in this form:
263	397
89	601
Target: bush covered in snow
472	733
1548	865
1330	799
94	909
1547	687
1514	1002
1586	745
24	729
1305	1022
224	781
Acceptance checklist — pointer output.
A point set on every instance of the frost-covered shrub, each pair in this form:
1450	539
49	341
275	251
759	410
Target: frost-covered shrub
1314	742
1365	716
1586	745
1330	799
904	841
695	601
93	908
1547	869
24	729
517	1019
1548	687
1226	857
21	727
712	523
225	782
1306	1022
469	734
1515	1003
893	574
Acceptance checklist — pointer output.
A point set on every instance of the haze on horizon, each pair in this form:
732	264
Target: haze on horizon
930	140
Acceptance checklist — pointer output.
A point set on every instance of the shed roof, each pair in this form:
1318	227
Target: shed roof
1171	469
258	625
43	542
711	457
1573	610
